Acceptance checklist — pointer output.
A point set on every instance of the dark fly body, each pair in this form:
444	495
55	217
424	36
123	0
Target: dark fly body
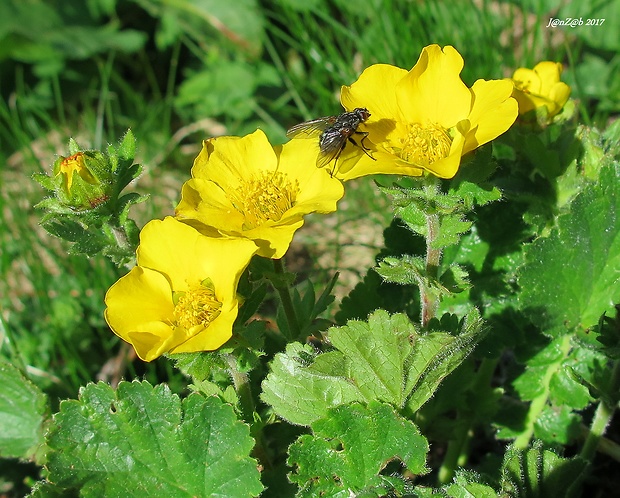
336	131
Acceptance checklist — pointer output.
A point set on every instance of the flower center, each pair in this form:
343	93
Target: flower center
196	306
424	145
264	198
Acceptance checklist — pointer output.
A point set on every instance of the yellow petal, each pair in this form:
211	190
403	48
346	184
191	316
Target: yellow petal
549	74
527	80
364	92
227	159
176	259
433	92
493	112
207	202
141	289
318	191
212	337
559	93
448	166
384	163
152	344
540	87
187	257
140	305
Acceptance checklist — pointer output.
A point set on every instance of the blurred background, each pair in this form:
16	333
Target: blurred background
177	72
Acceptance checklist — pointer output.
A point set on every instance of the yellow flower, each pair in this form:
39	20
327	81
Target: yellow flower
181	296
425	119
244	187
540	87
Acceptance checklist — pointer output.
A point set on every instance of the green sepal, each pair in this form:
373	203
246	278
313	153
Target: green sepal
540	472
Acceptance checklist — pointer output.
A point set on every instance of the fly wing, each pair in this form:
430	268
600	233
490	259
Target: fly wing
331	145
309	128
326	157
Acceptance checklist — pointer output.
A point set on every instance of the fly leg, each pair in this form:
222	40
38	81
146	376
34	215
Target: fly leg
334	169
361	144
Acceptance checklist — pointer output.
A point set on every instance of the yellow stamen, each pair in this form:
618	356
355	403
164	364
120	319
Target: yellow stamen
424	145
197	306
264	198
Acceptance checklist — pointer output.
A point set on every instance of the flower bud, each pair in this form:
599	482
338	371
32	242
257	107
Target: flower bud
541	91
82	181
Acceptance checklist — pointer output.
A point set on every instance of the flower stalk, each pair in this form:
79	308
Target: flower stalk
430	299
242	388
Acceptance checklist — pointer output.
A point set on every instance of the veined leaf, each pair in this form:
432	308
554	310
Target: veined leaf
351	446
384	359
572	277
145	441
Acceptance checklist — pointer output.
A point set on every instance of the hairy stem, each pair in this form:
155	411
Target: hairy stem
242	388
429	298
241	382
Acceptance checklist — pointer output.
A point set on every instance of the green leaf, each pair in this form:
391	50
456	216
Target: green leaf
564	388
240	22
470	182
376	353
252	303
351	446
572	277
302	393
436	355
44	489
225	88
404	270
558	425
199	366
469	485
145	441
540	369
450	230
23	407
373	293
308	308
411	270
127	146
65	228
383	359
540	473
46	181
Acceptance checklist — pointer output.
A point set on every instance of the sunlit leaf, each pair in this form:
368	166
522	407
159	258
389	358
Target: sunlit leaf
145	441
350	447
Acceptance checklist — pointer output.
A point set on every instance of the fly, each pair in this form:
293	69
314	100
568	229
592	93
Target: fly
336	131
